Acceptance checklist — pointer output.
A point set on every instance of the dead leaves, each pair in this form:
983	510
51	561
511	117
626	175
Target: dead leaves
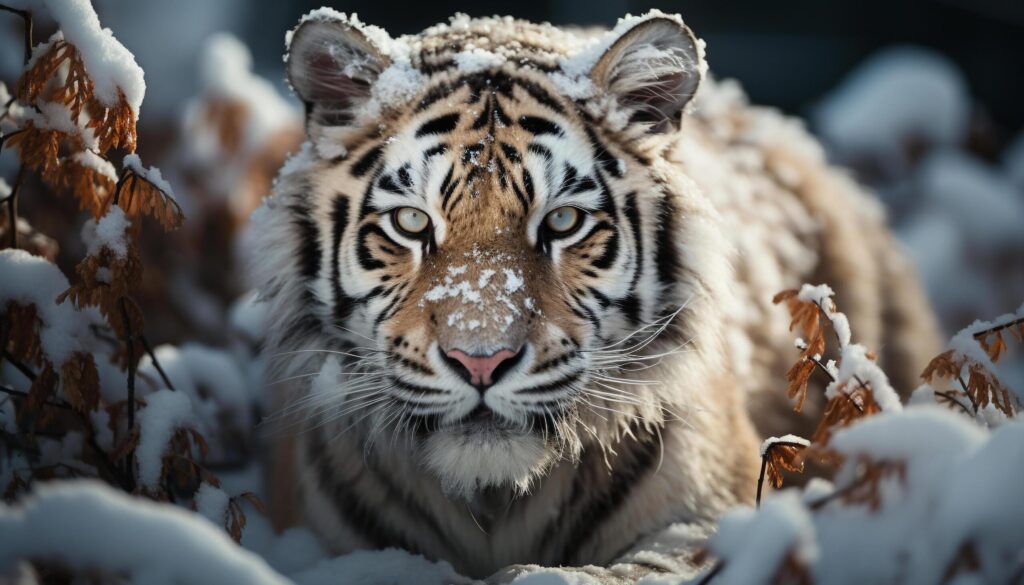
843	409
113	125
782	455
808	317
138	196
981	386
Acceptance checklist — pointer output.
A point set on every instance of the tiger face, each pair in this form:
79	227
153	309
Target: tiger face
486	246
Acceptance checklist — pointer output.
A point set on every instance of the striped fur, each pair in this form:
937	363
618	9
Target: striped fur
643	332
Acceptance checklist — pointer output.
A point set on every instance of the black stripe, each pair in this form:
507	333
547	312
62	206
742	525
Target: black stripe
590	507
434	150
584	184
387	183
569	175
436	94
366	258
537	125
630	307
404	177
366	162
511	153
447	182
550	386
606	159
439	125
665	255
610	253
540	149
309	242
528	185
339	221
540	95
362	517
632	213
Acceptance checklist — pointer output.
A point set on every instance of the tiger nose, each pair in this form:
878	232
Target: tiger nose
482	371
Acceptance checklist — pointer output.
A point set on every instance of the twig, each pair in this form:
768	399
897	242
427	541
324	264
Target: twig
715	570
25	370
130	347
986	332
949	396
27	17
760	478
10	391
12	205
156	363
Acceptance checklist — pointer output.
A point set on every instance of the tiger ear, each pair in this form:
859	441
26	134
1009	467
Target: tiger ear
653	69
332	66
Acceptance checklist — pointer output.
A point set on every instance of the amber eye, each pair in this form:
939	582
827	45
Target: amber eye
563	220
412	221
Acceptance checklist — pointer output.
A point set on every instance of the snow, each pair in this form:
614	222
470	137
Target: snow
513	280
97	163
856	367
753	543
165	411
111	66
5	189
898	95
212	503
384	566
109	232
151	174
822	296
226	72
89	525
767	443
31	280
474	60
959	485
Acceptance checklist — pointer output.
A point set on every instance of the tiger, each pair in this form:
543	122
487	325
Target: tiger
518	284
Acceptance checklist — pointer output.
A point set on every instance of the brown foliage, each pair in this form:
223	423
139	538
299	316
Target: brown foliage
138	196
81	382
780	456
39	150
808	317
23	332
843	409
92	189
114	126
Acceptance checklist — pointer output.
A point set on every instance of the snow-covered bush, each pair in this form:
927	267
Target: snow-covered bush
85	395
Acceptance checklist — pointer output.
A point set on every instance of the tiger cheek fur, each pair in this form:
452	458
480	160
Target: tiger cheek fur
503	292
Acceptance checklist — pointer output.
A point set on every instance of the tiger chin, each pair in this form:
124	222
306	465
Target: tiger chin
518	284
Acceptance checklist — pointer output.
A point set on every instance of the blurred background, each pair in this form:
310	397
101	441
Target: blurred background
923	101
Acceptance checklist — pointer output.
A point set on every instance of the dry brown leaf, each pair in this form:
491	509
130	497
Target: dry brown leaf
114	127
23	335
844	408
81	382
798	377
91	188
781	456
39	150
138	196
43	388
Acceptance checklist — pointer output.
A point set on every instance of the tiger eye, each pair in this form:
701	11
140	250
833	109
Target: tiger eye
411	220
563	219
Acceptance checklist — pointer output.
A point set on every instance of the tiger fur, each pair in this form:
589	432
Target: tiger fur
645	345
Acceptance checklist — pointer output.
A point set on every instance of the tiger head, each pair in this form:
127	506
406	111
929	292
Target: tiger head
482	231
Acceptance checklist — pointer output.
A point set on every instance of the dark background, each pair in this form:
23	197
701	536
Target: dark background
786	54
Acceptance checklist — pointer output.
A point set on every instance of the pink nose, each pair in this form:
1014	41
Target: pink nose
481	369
